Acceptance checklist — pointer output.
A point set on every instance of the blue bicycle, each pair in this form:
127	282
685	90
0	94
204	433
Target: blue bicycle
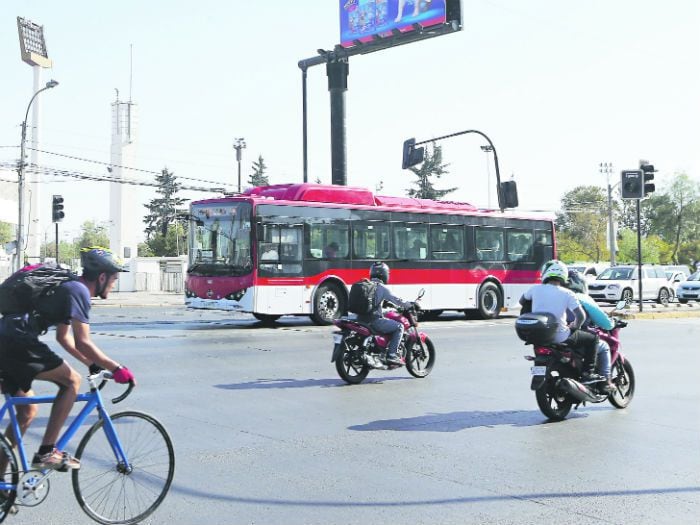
127	461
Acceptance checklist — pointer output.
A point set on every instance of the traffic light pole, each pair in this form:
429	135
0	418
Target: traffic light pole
639	254
56	224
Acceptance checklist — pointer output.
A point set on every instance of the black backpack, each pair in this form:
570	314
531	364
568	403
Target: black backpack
25	290
361	299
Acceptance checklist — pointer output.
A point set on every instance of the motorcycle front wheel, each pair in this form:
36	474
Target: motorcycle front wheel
350	366
553	403
420	361
623	379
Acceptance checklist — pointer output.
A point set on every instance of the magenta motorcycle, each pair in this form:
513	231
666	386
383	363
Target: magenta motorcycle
358	349
556	370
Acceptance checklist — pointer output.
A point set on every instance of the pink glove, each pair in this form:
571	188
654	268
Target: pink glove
122	375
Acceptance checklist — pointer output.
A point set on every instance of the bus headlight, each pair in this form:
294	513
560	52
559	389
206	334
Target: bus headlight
236	296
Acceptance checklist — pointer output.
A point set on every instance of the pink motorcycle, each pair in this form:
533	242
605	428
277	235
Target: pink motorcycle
557	368
358	349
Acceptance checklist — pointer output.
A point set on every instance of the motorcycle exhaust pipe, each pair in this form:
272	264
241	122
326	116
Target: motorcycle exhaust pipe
576	389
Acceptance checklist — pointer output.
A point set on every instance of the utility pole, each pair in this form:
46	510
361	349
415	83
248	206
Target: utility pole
606	168
238	146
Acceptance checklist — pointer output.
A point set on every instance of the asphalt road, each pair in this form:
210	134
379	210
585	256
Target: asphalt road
266	433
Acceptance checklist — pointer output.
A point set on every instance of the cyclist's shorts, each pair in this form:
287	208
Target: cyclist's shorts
21	359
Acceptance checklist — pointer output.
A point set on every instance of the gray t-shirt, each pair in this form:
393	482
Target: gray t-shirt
555	300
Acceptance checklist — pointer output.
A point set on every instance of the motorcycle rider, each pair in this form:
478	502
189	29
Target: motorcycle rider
553	297
596	317
379	274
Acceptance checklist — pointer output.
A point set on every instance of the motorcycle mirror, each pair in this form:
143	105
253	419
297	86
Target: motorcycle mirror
420	294
621	305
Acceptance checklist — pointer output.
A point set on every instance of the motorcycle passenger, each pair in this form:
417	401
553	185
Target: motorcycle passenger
379	273
596	317
552	297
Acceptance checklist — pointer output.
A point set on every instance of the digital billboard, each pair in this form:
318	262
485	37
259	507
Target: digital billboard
362	21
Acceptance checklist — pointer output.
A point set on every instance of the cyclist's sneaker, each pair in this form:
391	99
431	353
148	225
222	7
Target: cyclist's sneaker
55	460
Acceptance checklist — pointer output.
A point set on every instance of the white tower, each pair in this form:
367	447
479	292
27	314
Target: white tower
123	216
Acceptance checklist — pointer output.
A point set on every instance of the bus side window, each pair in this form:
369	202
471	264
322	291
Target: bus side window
370	240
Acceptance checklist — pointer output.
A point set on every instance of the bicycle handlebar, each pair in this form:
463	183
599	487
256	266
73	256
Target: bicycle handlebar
103	376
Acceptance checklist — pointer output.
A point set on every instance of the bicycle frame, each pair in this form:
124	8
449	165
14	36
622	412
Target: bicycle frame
93	401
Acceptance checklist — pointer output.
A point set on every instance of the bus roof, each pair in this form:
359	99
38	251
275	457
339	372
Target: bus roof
349	195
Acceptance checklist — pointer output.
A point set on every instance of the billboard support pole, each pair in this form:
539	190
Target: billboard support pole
337	71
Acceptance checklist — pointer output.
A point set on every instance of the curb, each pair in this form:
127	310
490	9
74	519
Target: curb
660	311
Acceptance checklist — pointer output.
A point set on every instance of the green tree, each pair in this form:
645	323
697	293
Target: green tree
674	213
258	177
7	232
654	249
431	167
583	217
93	234
172	244
162	211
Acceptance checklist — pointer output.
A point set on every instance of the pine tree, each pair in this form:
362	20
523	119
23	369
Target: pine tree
162	211
432	167
258	177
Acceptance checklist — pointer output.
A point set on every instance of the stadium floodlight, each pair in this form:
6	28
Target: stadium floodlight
32	43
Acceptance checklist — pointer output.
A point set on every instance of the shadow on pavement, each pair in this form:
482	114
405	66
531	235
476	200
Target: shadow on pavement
301	383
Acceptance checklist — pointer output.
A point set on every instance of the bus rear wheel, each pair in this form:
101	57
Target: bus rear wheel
490	301
329	304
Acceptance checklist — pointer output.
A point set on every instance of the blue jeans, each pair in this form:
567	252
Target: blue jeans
390	328
603	358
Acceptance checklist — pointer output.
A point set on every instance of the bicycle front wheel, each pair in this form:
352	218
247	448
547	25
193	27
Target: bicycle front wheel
111	492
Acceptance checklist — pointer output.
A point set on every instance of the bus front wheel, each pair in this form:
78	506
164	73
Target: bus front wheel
329	304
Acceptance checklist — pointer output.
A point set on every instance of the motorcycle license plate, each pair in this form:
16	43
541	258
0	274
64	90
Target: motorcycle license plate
538	370
337	338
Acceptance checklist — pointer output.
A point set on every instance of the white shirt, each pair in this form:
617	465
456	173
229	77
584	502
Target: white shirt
555	300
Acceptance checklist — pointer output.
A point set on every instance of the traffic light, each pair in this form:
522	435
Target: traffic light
57	213
411	154
631	184
509	194
648	171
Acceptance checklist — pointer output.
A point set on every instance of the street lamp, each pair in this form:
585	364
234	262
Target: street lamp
20	172
487	150
606	168
238	146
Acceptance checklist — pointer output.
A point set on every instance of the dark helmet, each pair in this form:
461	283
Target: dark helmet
576	283
96	259
380	271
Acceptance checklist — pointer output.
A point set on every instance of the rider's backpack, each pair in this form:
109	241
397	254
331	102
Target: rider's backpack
25	290
361	299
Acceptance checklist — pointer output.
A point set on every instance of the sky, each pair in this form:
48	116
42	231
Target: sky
559	87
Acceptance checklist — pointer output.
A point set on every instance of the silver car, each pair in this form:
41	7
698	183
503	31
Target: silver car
689	290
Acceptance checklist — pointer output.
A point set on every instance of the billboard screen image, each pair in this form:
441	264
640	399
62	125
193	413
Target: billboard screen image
362	20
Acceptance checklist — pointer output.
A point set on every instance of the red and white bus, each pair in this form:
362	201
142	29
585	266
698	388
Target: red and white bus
295	249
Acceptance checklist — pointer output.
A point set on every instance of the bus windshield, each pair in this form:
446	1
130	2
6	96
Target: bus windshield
221	239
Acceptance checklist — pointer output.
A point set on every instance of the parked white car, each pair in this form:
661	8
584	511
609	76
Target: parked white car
621	283
689	290
589	271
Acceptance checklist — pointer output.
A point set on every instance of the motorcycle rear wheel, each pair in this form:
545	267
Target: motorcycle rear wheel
553	404
623	378
350	366
419	362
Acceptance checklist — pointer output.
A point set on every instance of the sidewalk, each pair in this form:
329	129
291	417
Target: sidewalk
132	299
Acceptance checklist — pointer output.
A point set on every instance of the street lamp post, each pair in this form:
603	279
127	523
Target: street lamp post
20	173
238	146
607	168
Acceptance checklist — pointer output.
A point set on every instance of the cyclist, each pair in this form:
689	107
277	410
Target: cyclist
379	273
25	358
551	296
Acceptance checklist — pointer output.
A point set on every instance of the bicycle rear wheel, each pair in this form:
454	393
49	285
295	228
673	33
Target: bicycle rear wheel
10	478
111	492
